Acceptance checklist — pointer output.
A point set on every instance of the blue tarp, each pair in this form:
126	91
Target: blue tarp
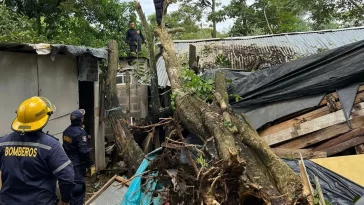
135	194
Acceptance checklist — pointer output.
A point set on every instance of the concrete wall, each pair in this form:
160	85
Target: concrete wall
138	91
26	75
138	99
58	83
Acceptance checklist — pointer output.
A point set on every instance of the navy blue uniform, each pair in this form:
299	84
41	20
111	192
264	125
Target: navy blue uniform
75	145
158	4
31	163
134	39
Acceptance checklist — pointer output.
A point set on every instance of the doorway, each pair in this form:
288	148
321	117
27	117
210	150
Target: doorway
86	102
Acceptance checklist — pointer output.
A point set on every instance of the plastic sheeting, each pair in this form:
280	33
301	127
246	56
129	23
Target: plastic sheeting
336	189
347	97
80	50
135	194
316	74
298	85
53	49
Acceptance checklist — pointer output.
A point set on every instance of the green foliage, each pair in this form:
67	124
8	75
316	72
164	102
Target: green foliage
228	124
77	22
316	199
281	16
201	161
189	17
222	61
237	97
17	28
195	84
173	101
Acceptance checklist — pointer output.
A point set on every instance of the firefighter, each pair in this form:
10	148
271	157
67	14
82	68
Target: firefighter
75	146
32	161
134	38
158	5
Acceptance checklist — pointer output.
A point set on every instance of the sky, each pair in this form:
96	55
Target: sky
148	8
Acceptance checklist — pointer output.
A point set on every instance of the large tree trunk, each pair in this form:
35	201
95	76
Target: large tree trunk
155	112
267	177
131	152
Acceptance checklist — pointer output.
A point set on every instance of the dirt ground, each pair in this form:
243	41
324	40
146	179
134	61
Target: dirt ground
94	184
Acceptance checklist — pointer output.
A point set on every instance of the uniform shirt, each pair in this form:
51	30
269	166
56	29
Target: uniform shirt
134	37
75	146
31	164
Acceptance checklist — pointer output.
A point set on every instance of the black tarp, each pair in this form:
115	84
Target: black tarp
297	85
316	74
336	189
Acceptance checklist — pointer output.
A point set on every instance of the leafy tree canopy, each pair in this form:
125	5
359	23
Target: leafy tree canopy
77	22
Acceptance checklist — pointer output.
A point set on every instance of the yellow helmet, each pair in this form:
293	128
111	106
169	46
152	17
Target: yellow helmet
32	115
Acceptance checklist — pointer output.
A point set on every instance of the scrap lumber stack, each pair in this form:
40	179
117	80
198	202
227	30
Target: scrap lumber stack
321	132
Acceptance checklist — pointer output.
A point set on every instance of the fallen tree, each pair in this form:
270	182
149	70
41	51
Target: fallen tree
129	149
245	159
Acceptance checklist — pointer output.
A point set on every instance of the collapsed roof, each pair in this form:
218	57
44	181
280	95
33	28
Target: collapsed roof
298	85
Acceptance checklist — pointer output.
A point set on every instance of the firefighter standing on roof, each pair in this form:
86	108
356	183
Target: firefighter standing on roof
32	161
75	145
134	38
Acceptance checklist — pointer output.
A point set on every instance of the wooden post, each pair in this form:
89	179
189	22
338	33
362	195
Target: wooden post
126	145
127	77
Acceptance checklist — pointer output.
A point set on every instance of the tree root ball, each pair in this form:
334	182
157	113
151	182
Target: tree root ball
216	184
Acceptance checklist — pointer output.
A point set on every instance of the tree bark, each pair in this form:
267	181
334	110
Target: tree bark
278	183
213	20
129	149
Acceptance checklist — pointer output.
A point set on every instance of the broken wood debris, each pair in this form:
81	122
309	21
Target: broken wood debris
320	132
108	190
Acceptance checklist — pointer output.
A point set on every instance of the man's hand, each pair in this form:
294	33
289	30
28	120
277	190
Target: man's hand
62	203
92	170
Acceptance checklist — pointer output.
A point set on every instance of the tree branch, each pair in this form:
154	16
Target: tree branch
176	30
357	6
266	19
154	88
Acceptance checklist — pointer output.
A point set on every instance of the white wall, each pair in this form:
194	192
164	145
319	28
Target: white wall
25	75
18	81
58	83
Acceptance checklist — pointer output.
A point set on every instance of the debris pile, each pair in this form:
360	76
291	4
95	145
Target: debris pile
319	132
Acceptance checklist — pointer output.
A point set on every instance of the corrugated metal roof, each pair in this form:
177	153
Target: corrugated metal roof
242	51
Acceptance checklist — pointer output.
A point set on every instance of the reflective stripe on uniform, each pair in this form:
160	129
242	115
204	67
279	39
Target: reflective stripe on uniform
62	167
33	144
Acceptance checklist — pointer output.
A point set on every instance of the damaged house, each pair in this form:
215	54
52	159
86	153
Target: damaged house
66	75
305	98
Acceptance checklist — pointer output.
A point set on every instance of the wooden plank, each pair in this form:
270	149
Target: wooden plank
359	149
295	154
122	180
324	134
340	139
319	190
324	102
307	187
310	126
103	188
306	117
343	146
